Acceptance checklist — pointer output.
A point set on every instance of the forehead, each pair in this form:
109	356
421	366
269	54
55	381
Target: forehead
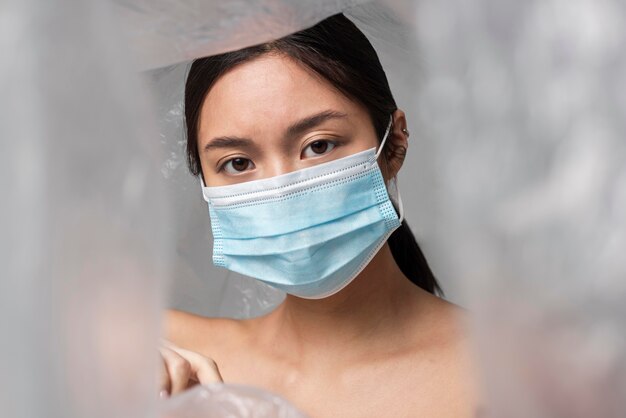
265	94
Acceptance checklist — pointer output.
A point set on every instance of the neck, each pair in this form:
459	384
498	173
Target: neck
373	307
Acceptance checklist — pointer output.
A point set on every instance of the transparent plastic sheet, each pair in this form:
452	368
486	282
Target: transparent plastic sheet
523	111
84	252
199	286
228	401
516	174
514	185
166	32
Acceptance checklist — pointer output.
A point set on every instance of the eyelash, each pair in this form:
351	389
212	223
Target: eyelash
332	143
328	142
223	166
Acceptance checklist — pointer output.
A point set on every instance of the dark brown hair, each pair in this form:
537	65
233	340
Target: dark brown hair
338	51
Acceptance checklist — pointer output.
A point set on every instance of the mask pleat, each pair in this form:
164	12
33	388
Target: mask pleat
298	212
310	265
298	241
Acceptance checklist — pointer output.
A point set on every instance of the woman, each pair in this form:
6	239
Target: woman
273	132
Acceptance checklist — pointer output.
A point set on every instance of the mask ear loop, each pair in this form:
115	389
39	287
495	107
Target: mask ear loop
203	186
397	190
382	143
400	205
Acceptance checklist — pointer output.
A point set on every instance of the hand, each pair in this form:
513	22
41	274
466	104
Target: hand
183	369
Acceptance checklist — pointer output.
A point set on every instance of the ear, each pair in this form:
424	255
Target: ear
396	145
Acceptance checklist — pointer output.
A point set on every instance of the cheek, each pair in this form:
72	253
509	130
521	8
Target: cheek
213	180
209	177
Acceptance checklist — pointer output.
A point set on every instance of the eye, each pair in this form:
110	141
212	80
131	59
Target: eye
237	165
317	148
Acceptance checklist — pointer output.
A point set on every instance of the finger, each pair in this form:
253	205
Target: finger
208	372
203	368
178	368
164	383
166	343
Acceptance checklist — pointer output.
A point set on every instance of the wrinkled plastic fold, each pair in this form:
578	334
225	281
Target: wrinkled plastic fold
166	32
227	401
514	184
84	246
524	118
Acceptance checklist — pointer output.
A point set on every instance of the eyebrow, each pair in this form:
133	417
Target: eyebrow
228	142
312	121
294	129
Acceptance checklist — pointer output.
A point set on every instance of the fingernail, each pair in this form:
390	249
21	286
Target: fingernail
163	394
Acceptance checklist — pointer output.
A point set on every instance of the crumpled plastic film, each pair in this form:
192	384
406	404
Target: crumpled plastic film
523	111
165	32
227	401
84	251
515	184
197	286
200	287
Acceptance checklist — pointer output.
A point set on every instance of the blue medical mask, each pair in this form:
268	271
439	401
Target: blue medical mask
308	232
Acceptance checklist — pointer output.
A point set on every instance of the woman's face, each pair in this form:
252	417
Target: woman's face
270	116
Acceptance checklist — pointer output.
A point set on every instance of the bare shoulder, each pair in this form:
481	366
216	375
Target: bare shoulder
447	354
446	320
199	333
449	333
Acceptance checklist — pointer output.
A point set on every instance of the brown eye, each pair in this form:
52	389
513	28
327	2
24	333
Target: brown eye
238	165
317	148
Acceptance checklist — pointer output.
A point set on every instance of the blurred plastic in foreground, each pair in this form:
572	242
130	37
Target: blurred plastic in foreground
516	181
524	108
228	401
83	248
